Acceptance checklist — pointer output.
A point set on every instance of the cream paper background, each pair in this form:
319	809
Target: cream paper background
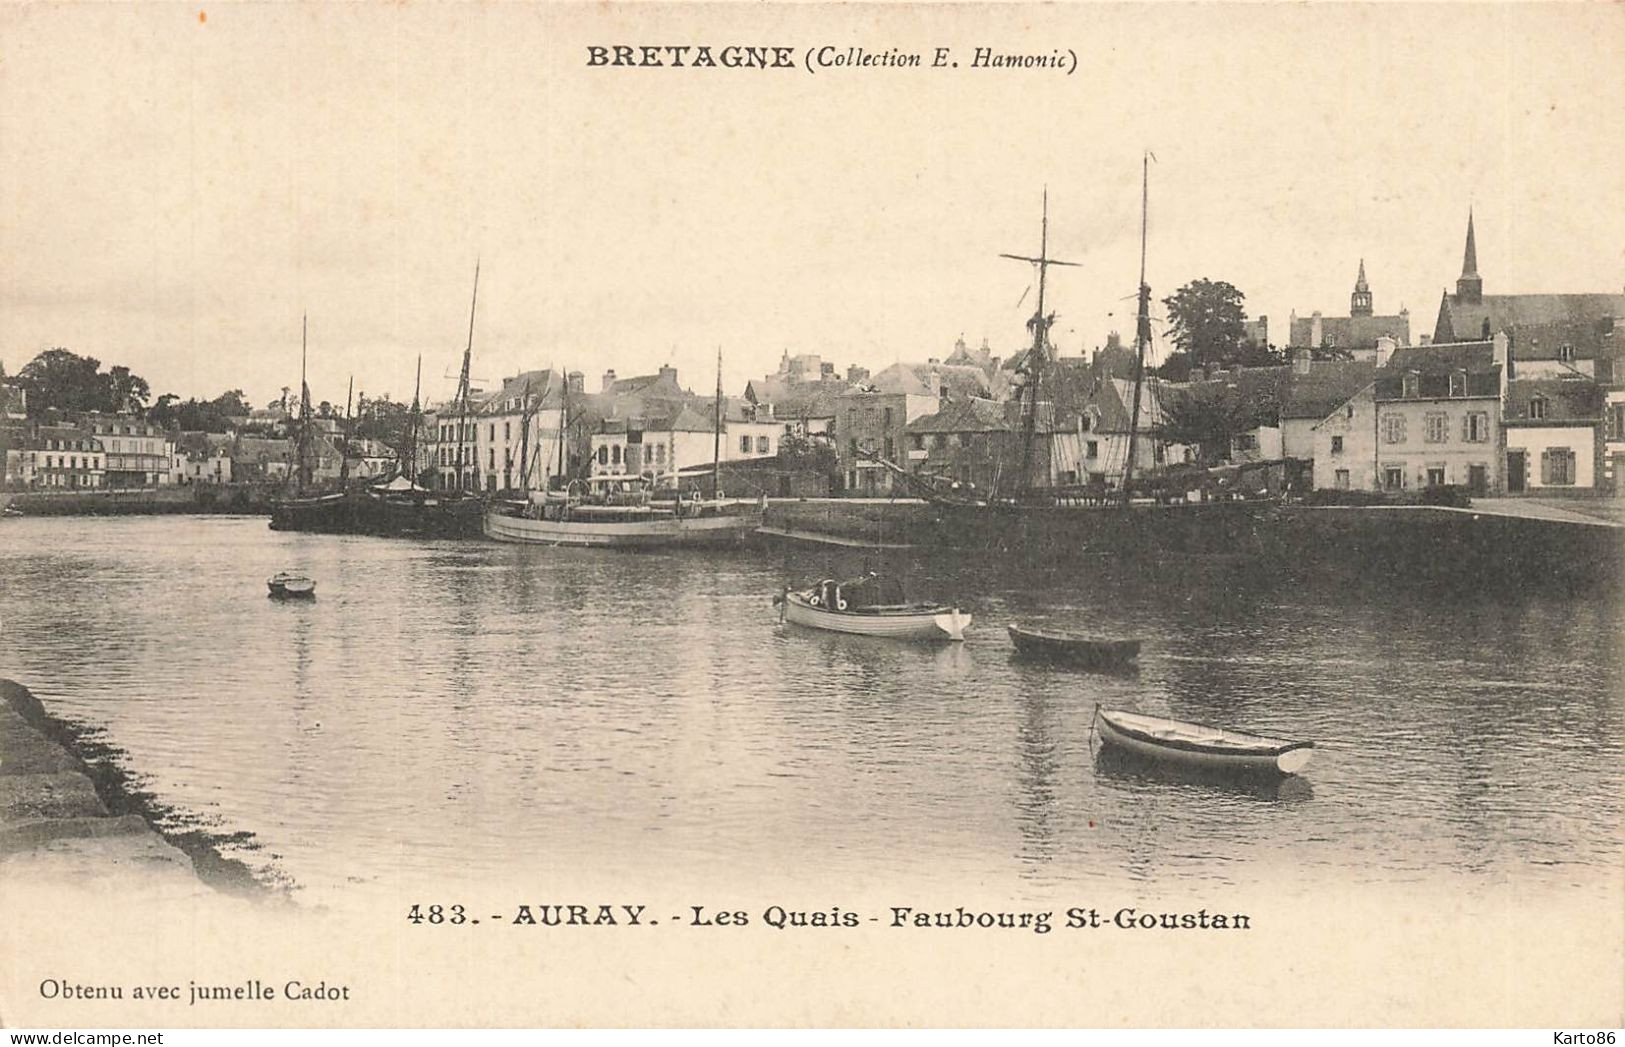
180	179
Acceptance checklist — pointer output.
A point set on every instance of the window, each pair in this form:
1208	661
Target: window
1438	427
615	454
763	445
887	422
1393	429
660	453
507	431
1616	421
891	448
603	454
1435	476
1475	428
1557	467
1348	412
917	441
1412	385
1565	354
1340	479
1393	478
1537	408
940	440
1091	449
1458	384
1337	448
853	443
744	445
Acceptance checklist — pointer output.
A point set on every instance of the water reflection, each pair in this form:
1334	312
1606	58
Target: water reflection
497	709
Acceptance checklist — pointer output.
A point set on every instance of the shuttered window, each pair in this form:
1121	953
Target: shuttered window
1557	467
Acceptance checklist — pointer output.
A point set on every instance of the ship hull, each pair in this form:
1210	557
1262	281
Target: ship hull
666	532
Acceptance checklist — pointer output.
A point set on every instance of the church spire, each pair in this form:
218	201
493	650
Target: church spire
1470	287
1360	300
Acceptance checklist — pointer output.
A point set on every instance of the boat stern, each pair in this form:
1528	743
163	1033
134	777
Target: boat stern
954	623
1294	760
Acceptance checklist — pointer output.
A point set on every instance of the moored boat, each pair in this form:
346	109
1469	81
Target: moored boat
1199	745
617	512
286	584
1077	649
871	606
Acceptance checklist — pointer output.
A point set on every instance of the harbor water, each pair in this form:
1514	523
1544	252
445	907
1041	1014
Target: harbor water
469	709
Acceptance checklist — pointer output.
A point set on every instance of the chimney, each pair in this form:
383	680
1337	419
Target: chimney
856	374
1317	333
667	371
1503	359
576	383
609	380
1302	359
1385	349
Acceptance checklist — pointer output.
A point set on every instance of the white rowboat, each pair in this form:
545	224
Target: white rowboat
1198	745
898	621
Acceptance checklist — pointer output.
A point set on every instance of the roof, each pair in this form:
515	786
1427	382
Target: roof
1349	332
965	416
1589	339
1508	312
260	450
1325	387
1435	364
509	399
1567	400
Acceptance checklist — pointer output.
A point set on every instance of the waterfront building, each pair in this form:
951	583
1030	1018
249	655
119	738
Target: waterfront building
1552	427
872	419
1106	421
1438	411
1470	313
57	457
1357	333
139	453
683	441
260	458
204	458
982	443
1345	445
530	398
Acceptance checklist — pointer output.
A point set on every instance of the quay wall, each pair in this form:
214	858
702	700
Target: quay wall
1372	542
250	499
70	817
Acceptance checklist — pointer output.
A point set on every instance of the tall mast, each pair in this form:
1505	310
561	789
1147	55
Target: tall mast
564	424
465	431
716	446
302	449
344	434
1039	325
1142	328
411	459
524	440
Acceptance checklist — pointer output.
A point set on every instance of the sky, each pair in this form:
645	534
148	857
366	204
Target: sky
181	183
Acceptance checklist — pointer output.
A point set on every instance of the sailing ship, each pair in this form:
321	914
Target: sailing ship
626	511
1036	517
397	507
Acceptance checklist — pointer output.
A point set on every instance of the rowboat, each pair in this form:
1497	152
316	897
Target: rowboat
871	607
290	585
1073	647
1201	746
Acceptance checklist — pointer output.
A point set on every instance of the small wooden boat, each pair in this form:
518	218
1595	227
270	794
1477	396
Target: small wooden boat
286	585
871	606
1073	647
1198	745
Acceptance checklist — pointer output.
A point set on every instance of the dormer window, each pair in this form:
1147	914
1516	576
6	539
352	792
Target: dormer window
1412	385
1458	384
1565	354
1537	408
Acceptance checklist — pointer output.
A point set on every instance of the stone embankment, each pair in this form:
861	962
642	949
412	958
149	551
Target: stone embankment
57	826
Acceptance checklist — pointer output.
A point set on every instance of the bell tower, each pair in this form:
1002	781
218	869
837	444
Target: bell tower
1360	300
1470	286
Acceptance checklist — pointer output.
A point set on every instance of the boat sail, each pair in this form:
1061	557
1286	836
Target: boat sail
626	511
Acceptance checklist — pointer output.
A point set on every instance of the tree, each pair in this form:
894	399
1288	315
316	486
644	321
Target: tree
1209	417
1207	318
126	391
